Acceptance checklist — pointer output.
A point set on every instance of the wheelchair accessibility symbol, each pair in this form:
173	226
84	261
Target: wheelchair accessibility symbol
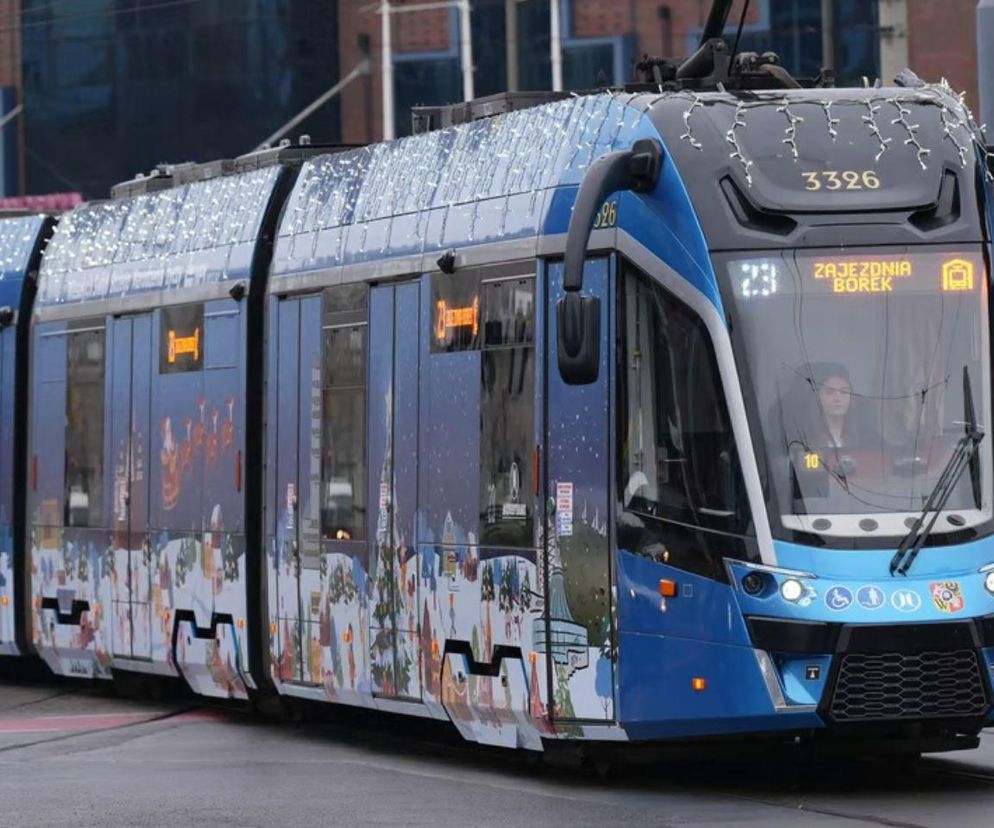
838	598
906	600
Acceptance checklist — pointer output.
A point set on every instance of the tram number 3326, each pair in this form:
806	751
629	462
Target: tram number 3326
841	180
607	216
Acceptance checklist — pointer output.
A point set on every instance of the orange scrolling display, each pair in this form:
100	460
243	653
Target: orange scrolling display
179	345
886	274
864	275
447	318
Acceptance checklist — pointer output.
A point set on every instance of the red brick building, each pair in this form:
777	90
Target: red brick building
872	37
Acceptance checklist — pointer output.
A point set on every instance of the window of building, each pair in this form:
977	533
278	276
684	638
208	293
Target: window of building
84	471
677	457
507	441
343	456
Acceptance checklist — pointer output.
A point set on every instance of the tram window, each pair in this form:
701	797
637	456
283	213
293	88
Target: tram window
507	443
84	428
455	313
343	440
509	312
677	454
181	342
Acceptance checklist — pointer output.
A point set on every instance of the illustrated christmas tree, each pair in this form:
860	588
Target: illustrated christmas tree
526	593
229	560
506	590
382	644
84	568
563	701
487	592
336	659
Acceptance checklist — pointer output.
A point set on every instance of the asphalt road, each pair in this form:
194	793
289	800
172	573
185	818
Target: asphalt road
78	757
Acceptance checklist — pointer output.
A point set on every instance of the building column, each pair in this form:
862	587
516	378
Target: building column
893	27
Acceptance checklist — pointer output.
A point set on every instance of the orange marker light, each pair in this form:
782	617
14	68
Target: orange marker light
667	588
533	657
272	629
699	684
241	623
434	647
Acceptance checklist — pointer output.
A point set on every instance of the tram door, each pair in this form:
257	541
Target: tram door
579	628
392	426
131	371
298	470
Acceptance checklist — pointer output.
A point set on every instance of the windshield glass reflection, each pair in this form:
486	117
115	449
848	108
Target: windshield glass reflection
858	364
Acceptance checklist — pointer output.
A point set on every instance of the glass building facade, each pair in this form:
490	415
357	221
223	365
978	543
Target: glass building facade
113	87
791	28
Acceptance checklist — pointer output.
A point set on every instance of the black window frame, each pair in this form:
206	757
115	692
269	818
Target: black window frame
686	537
507	532
345	308
91	428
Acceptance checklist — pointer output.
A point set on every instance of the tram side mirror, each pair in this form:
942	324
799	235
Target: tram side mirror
578	316
6	316
579	326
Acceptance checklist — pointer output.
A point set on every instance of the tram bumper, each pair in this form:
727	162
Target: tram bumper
771	666
874	673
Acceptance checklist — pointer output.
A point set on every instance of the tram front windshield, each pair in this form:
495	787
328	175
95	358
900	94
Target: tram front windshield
866	369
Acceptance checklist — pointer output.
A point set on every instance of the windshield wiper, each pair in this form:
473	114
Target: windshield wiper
961	459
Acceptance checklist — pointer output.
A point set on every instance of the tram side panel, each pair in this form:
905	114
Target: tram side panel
21	242
72	570
425	401
196	541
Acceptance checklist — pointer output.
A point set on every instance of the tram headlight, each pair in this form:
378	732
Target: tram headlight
989	582
753	583
791	590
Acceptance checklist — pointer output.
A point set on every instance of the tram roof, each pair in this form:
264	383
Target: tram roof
485	181
18	240
198	233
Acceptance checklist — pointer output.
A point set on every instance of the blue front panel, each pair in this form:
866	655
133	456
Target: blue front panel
668	643
658	699
857	587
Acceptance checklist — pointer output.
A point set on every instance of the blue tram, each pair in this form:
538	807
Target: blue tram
630	416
